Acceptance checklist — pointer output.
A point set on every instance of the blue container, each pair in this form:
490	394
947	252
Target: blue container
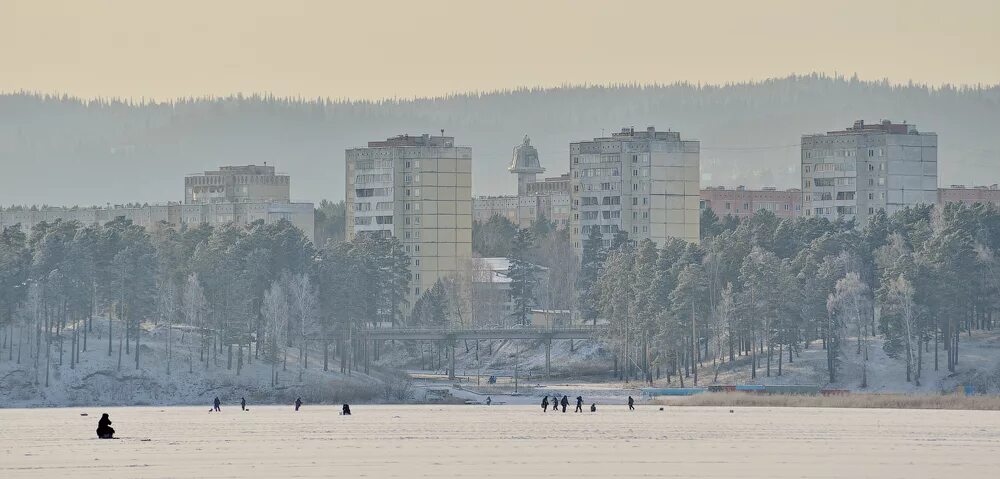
672	391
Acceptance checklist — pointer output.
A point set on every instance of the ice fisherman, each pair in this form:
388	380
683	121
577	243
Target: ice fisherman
104	429
489	400
564	403
298	403
555	403
579	404
545	403
631	404
216	405
593	407
243	403
346	410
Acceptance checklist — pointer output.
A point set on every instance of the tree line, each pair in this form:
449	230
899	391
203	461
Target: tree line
236	293
755	293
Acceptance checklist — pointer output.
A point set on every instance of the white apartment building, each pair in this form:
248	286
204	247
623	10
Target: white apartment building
857	171
418	189
645	183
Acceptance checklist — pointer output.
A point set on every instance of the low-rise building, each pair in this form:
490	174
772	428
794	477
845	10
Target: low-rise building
744	203
969	195
535	199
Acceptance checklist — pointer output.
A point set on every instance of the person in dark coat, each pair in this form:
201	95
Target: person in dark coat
243	403
593	407
104	429
346	410
564	403
489	400
631	404
298	403
545	403
579	404
555	403
216	404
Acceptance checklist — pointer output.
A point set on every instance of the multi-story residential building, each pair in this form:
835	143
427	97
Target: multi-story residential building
549	198
237	184
419	190
969	195
642	182
744	203
152	217
855	172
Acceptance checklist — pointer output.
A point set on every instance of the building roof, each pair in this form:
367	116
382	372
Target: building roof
525	159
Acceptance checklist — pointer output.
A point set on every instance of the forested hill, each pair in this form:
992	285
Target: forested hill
58	150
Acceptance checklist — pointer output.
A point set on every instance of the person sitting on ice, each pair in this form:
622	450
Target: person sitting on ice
489	400
104	429
593	408
346	410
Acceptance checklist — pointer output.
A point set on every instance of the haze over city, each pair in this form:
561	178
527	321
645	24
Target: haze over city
499	238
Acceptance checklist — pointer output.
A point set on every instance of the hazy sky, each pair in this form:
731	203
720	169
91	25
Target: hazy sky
374	49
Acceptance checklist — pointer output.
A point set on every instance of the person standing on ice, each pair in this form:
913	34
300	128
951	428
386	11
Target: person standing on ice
564	403
545	403
555	403
579	404
216	405
243	404
298	403
631	404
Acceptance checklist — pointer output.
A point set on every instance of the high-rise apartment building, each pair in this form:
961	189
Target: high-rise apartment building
237	184
419	190
642	182
855	172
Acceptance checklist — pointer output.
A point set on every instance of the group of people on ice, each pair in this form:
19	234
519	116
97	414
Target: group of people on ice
564	402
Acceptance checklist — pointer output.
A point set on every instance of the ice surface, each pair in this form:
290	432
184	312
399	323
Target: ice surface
504	441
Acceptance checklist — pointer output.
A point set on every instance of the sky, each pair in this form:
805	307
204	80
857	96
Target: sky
375	49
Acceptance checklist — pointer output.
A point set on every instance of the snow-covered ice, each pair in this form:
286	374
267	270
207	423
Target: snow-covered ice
499	441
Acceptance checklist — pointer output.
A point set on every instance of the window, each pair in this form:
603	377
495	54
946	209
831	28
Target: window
728	206
881	181
809	183
871	196
416	291
635	201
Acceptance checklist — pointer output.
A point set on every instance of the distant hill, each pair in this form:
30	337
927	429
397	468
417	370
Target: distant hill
59	150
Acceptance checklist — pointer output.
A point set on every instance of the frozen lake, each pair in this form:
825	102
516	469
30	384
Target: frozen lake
500	441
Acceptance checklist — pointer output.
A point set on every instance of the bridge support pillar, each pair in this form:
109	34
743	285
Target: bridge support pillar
548	358
451	363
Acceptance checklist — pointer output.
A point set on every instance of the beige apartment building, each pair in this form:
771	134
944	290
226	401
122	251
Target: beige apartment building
645	183
419	190
237	184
